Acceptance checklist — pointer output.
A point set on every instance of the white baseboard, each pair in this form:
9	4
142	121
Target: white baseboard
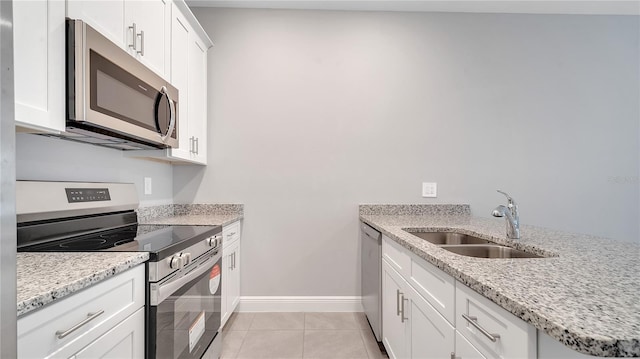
300	304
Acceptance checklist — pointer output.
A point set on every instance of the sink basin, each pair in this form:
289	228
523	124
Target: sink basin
489	251
446	238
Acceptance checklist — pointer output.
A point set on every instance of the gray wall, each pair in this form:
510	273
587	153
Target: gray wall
53	159
312	113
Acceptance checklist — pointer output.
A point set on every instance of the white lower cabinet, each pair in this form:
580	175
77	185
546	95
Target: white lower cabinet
105	320
412	328
123	341
427	314
394	330
495	332
230	270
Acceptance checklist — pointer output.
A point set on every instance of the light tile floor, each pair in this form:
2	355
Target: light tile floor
299	335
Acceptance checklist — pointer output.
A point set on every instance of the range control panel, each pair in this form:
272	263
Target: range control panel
87	194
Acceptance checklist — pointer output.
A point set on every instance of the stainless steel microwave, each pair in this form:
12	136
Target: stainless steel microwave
113	100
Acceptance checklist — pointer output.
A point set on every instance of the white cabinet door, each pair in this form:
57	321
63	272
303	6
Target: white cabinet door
431	335
152	20
189	76
180	34
230	269
394	329
198	98
39	42
234	288
106	16
230	279
124	341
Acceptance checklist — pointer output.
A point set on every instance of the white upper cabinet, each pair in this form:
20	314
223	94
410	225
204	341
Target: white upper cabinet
188	73
106	16
139	27
150	42
197	98
39	76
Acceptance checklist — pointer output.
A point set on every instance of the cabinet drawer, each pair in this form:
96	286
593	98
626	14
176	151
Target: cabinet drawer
230	233
118	297
396	255
436	286
513	337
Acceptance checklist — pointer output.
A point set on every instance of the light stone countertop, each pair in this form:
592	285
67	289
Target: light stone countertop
43	278
587	297
191	214
196	219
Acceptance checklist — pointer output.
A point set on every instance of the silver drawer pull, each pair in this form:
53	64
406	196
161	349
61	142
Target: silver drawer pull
474	321
91	316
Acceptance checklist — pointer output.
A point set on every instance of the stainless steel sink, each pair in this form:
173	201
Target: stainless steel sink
447	238
489	251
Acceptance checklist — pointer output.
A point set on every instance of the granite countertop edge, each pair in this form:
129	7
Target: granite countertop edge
125	261
596	345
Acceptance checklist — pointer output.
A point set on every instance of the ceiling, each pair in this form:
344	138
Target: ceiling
601	7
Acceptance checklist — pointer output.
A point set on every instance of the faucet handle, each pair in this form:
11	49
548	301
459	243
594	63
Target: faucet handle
509	199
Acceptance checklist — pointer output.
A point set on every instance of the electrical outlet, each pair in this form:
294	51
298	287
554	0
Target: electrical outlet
429	189
147	185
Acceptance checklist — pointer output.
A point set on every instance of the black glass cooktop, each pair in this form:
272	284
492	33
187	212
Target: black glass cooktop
159	240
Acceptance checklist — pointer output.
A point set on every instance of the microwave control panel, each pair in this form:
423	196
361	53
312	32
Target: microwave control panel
75	195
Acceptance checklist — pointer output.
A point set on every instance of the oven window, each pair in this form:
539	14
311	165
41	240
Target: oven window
187	321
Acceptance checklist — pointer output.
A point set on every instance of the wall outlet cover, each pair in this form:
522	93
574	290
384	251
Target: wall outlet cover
429	189
147	186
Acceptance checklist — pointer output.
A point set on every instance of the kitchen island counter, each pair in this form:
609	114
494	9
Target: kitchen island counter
43	278
584	294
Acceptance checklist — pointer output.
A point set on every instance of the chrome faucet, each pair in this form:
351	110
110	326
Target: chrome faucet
511	214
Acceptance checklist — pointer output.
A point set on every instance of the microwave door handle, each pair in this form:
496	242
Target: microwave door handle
172	114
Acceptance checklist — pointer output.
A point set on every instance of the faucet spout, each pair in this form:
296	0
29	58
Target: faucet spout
511	215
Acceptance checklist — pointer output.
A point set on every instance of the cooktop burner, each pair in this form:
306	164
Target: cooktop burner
87	243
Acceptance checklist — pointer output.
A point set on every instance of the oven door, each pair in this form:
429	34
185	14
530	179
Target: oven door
186	316
109	89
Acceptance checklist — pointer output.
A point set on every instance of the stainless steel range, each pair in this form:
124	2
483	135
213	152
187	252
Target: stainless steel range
184	270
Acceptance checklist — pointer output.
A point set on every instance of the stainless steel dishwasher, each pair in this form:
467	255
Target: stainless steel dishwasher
371	277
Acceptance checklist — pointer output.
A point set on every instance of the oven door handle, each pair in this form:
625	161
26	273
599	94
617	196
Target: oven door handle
165	290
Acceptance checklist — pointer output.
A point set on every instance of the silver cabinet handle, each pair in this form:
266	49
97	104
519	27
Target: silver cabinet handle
172	110
398	302
474	321
134	36
91	316
402	317
141	51
234	260
197	145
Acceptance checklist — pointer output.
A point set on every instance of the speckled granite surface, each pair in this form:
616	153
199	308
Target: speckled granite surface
192	214
415	209
587	297
45	277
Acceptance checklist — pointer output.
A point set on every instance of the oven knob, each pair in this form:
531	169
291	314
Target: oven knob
176	262
186	258
213	241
